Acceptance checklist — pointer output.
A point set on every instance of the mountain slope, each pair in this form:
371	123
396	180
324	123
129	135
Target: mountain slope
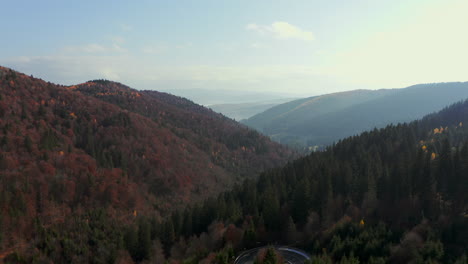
227	143
390	195
324	119
65	152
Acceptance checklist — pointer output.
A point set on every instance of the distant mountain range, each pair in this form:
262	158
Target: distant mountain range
322	120
242	111
208	97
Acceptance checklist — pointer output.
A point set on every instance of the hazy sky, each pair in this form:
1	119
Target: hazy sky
292	46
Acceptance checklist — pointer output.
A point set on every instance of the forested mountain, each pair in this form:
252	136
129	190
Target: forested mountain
393	195
103	148
238	150
322	120
390	195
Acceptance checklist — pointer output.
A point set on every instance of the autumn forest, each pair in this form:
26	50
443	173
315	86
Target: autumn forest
102	173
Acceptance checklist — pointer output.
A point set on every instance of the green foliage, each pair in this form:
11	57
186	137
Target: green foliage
49	140
28	143
131	242
4	141
269	258
249	238
100	81
23	111
321	259
168	235
41	111
15	258
432	250
377	260
144	240
222	258
349	260
120	120
92	238
462	260
17	204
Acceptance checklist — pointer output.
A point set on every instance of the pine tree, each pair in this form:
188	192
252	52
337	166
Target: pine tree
131	242
28	143
290	231
144	240
271	209
168	235
270	257
250	236
187	227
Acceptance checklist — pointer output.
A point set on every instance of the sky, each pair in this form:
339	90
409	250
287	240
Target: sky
291	47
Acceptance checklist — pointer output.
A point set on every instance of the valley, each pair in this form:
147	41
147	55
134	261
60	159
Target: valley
170	179
234	132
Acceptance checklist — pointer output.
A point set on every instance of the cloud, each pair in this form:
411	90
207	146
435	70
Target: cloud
149	74
155	49
118	39
94	48
91	48
117	48
282	30
72	69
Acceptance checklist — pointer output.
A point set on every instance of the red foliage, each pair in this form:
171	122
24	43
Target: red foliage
102	144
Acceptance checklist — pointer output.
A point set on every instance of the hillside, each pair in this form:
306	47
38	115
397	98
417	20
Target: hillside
228	144
390	195
66	151
325	119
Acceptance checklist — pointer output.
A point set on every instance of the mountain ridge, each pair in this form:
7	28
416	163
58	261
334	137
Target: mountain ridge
322	120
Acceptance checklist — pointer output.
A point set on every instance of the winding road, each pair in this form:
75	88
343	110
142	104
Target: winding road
290	255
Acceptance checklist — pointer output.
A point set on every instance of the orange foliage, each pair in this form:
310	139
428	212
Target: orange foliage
164	142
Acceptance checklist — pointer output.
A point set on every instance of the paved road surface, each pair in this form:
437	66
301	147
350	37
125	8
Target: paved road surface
290	255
